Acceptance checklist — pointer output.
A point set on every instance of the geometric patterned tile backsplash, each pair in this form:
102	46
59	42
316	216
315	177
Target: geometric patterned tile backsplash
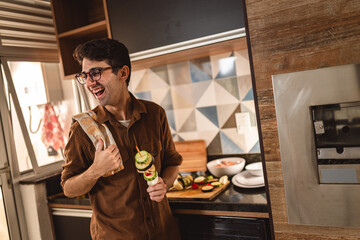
201	98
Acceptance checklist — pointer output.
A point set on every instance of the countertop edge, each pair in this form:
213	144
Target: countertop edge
180	211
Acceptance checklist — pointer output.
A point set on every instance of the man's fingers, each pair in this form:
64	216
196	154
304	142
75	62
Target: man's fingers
157	196
112	148
115	151
157	199
100	145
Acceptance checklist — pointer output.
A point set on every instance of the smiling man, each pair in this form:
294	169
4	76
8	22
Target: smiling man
124	206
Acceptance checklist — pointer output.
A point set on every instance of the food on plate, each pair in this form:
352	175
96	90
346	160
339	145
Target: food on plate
224	163
178	185
226	166
224	179
188	180
212	180
207	188
181	183
205	184
209	177
200	180
194	186
216	184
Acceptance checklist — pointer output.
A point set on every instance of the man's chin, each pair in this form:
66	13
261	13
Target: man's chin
101	102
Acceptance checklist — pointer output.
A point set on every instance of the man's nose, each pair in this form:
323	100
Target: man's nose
89	81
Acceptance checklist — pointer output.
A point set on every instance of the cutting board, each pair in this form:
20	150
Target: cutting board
195	194
194	155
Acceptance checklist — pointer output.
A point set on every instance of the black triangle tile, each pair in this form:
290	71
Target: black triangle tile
215	146
231	122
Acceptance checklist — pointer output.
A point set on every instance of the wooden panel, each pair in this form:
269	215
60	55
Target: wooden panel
83	21
196	194
292	36
69	15
194	155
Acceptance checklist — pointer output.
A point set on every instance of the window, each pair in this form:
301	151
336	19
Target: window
40	113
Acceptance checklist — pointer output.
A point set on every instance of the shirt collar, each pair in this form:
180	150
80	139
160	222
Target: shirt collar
104	115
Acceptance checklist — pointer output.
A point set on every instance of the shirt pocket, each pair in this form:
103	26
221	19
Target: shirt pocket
154	148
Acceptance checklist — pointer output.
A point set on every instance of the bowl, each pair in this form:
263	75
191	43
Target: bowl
226	166
255	169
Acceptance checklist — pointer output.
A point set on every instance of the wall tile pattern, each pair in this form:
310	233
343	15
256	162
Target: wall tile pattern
201	97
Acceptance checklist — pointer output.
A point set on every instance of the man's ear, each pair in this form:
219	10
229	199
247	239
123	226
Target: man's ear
123	72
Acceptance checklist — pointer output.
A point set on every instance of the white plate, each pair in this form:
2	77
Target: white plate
246	186
247	180
255	168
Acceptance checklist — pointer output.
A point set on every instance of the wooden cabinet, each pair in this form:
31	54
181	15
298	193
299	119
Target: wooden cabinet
76	22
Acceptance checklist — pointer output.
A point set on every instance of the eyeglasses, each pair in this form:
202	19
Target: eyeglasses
94	74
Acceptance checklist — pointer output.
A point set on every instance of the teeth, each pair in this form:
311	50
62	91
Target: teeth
97	90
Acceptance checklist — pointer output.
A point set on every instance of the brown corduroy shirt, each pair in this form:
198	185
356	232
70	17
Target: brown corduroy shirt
122	208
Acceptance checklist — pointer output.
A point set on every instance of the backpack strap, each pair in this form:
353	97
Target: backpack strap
94	130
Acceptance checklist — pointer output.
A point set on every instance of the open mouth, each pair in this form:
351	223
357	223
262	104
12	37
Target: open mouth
98	92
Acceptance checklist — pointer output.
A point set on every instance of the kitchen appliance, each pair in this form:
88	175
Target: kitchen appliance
337	141
317	111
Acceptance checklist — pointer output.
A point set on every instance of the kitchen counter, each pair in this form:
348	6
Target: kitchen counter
236	212
234	201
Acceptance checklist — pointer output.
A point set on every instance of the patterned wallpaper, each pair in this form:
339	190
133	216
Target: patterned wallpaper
202	98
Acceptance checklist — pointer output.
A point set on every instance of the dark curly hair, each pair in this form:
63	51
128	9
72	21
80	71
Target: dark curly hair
111	51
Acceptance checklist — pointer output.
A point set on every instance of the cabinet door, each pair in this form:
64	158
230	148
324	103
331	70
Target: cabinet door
197	227
71	224
147	25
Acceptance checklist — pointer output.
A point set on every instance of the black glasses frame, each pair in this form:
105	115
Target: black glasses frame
94	74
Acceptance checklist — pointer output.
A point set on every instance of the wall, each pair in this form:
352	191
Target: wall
201	98
38	219
289	36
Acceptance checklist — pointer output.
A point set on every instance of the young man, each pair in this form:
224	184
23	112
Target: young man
124	206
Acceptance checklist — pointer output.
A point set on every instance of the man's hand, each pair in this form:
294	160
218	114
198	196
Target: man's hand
106	160
157	192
